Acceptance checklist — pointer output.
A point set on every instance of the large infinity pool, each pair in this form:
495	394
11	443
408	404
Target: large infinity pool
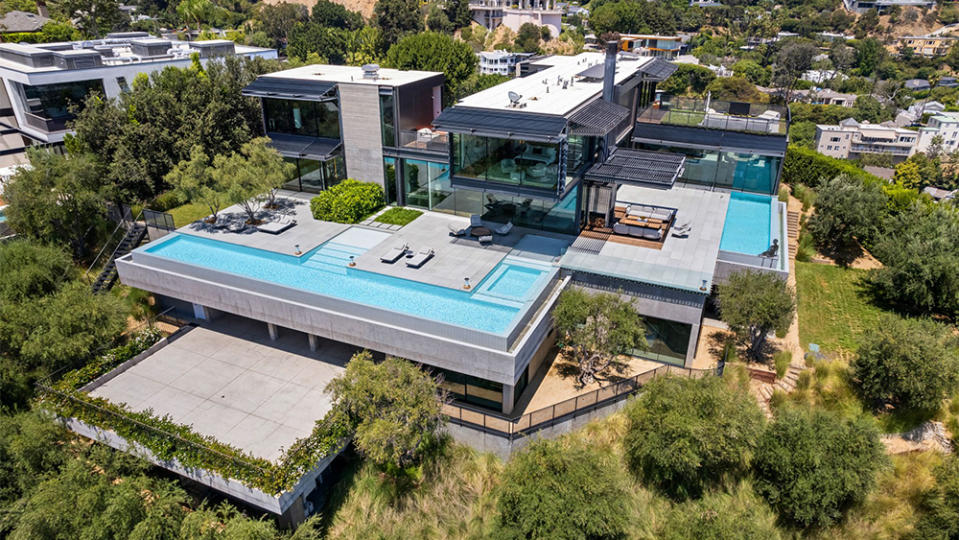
490	307
748	223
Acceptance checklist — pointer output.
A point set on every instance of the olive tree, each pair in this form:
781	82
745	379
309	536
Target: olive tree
909	363
811	466
848	212
394	406
686	434
754	304
554	490
595	328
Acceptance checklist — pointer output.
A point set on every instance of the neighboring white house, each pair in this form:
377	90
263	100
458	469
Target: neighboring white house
822	76
851	139
500	62
943	124
513	14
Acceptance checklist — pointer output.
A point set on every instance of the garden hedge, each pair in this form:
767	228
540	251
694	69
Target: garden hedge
809	167
347	202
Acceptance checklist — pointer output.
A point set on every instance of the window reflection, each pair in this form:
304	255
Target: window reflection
307	118
747	172
507	161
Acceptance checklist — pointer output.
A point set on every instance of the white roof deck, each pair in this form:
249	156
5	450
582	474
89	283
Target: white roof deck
353	74
682	263
552	98
255	394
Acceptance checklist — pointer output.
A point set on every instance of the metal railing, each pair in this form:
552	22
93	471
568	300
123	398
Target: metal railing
438	142
47	125
537	420
125	220
158	220
716	114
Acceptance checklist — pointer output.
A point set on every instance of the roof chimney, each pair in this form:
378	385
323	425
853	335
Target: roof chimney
609	69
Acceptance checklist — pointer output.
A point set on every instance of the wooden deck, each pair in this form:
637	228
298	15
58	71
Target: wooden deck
599	231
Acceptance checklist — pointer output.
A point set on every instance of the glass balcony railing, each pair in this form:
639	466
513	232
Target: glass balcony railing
436	141
714	114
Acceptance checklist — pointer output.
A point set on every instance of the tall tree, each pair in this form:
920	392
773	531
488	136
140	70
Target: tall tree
333	15
596	328
93	17
848	212
458	12
754	304
397	18
192	180
432	51
59	200
276	20
792	61
251	176
394	406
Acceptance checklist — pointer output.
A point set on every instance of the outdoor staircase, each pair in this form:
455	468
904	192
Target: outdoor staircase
792	231
108	276
785	384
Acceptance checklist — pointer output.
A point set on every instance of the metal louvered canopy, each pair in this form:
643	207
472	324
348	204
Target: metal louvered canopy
639	167
658	69
304	147
283	88
598	118
509	124
710	139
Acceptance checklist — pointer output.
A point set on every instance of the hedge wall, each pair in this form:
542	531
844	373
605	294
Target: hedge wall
348	202
809	167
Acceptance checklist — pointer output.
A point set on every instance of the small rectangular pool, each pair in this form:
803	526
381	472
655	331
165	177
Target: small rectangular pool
748	223
324	270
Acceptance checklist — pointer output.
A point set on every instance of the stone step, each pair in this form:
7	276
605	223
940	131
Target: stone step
766	392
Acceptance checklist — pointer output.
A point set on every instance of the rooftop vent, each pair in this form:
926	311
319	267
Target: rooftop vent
371	71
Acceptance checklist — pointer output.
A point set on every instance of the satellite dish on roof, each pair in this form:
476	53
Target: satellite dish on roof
513	98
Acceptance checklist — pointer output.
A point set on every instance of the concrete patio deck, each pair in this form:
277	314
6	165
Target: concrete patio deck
307	232
229	381
457	257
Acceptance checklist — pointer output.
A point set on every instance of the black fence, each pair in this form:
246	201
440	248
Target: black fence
158	220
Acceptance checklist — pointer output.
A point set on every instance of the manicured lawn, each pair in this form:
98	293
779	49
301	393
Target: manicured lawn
833	309
398	216
188	213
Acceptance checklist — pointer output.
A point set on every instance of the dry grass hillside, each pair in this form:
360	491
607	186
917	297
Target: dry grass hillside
363	6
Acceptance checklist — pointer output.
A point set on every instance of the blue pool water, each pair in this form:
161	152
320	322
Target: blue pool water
748	221
2	217
512	281
324	271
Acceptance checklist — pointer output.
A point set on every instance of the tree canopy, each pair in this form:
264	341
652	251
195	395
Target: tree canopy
432	51
397	18
848	211
393	405
554	490
684	435
595	328
812	466
909	363
753	304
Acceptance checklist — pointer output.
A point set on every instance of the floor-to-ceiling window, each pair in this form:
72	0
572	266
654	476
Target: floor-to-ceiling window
387	120
530	212
528	164
469	389
739	171
315	175
390	168
667	341
426	184
307	118
53	101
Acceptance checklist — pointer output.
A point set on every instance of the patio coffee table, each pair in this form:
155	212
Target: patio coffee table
480	231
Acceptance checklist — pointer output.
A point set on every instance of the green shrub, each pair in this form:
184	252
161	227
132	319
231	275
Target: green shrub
398	216
685	434
806	248
347	202
809	167
783	195
781	360
166	201
848	212
805	195
740	514
811	466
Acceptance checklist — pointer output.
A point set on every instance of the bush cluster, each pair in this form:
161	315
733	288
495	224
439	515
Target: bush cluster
347	202
810	168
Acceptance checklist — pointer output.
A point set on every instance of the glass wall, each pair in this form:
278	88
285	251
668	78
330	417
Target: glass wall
52	101
387	120
389	179
425	183
530	212
668	341
747	172
314	176
469	389
506	161
308	118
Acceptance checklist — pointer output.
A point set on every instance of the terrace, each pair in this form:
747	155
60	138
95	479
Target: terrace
714	114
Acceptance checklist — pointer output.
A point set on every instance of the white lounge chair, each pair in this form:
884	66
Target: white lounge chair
503	230
395	253
420	258
486	239
276	226
456	230
476	220
681	231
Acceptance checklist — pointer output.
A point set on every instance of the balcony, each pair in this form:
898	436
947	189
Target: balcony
423	140
720	115
48	125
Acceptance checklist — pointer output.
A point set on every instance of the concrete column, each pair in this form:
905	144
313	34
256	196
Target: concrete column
691	348
314	342
274	331
508	390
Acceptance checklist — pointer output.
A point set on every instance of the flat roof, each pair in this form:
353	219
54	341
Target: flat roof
550	97
354	74
682	263
257	395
